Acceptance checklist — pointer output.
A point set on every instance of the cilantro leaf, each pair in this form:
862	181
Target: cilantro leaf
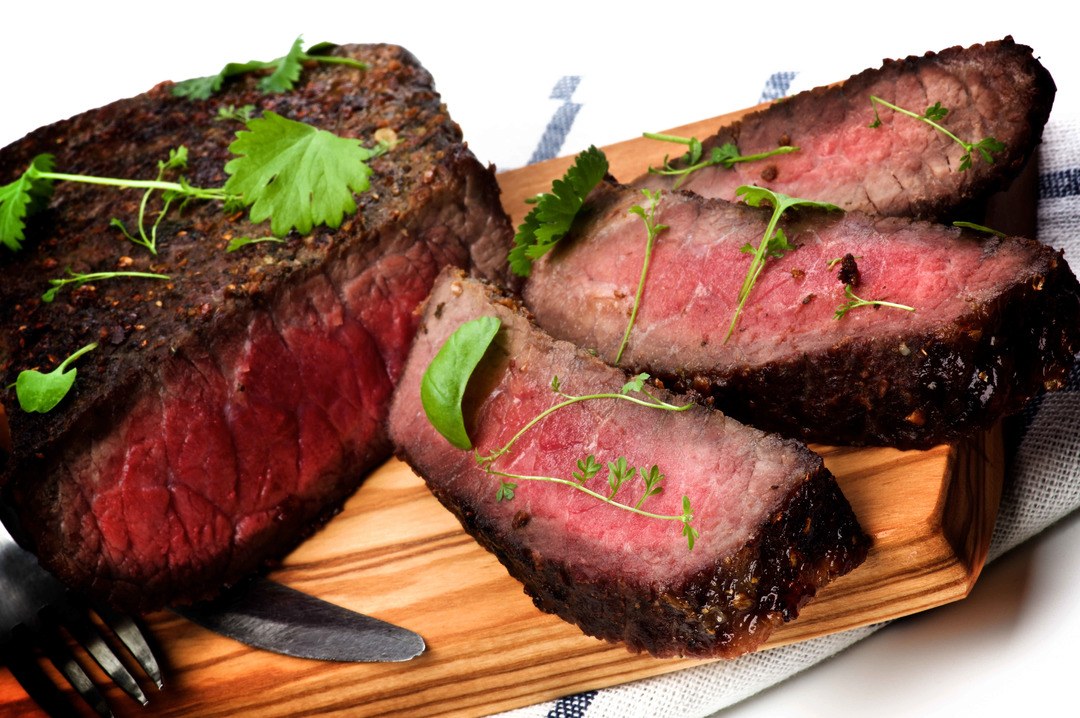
284	76
296	175
26	195
550	219
287	72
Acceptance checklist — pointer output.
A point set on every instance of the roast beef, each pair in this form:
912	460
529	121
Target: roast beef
773	525
904	167
995	321
227	411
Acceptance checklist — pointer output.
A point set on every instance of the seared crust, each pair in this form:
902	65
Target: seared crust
996	89
283	312
935	388
616	581
722	612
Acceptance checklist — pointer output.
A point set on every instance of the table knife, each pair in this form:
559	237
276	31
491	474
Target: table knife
271	616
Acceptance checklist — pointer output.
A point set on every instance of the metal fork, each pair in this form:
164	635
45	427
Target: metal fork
36	611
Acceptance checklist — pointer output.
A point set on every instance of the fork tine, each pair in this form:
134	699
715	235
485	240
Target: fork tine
61	657
76	621
37	685
128	632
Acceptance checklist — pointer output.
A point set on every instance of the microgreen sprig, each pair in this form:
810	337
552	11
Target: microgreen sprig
652	229
635	385
726	155
774	243
933	115
854	302
39	392
177	160
620	472
979	228
79	279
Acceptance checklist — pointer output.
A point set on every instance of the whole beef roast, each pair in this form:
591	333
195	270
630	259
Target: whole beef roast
994	322
229	410
773	525
904	167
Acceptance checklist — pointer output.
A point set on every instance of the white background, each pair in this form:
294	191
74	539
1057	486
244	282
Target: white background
1008	650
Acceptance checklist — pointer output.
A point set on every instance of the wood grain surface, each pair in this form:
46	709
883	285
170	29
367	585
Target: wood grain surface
395	553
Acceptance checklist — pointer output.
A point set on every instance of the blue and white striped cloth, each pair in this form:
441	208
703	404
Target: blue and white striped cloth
1043	483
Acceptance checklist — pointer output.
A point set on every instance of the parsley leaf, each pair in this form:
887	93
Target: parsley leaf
23	197
554	212
296	175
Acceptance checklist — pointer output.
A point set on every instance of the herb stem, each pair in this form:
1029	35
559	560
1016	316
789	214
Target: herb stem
668	138
88	348
188	190
654	404
335	60
757	265
590	492
648	216
923	118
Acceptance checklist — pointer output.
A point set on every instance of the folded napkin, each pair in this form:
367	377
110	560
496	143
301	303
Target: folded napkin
1041	483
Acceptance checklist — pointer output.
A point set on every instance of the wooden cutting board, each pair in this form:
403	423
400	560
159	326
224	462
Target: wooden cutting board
396	554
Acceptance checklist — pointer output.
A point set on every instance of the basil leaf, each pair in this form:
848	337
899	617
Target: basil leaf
444	382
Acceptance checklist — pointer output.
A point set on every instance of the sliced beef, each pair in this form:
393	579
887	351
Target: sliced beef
996	320
773	525
904	167
230	410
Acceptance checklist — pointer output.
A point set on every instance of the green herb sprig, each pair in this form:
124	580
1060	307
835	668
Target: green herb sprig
854	302
283	76
620	472
18	199
39	392
550	219
934	114
177	160
652	229
979	228
294	174
443	387
774	243
726	155
79	279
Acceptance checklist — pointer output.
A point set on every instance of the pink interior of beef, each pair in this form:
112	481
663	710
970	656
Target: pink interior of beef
697	270
735	476
281	417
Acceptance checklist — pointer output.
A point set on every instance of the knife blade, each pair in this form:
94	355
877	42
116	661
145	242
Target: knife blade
274	617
